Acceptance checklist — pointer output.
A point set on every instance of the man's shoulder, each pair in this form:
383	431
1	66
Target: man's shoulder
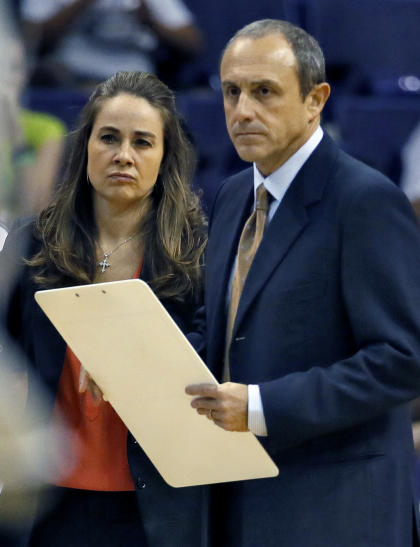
355	175
236	182
344	170
232	192
343	174
359	191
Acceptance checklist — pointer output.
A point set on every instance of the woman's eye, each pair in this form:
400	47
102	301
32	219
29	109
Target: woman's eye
108	138
143	143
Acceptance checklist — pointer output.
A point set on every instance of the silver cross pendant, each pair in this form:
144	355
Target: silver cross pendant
104	263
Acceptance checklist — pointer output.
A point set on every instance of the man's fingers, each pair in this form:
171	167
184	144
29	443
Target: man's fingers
204	412
202	390
225	404
205	403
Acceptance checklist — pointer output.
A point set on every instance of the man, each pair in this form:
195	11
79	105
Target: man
323	350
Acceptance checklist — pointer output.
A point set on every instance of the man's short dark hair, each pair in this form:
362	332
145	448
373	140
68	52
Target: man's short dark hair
309	57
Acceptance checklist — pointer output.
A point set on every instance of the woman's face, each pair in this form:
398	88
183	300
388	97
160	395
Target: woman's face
125	149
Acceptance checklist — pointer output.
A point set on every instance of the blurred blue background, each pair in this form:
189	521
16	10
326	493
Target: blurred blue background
372	50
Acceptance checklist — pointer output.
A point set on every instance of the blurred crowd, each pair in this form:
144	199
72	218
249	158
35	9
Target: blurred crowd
30	149
59	49
66	44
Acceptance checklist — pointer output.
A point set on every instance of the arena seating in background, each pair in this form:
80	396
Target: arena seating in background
64	103
366	41
374	129
372	50
202	111
219	20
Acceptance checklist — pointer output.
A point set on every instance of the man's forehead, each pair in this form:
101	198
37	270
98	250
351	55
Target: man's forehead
257	57
257	60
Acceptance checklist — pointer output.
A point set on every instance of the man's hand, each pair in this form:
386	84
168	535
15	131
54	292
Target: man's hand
226	404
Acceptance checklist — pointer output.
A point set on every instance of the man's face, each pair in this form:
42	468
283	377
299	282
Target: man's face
266	117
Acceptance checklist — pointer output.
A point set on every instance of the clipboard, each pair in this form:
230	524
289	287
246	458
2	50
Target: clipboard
142	362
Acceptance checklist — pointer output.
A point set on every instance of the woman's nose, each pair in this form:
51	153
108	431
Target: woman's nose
123	154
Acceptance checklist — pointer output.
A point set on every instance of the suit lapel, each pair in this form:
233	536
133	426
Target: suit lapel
225	232
289	221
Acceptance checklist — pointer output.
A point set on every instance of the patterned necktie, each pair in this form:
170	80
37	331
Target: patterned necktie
249	242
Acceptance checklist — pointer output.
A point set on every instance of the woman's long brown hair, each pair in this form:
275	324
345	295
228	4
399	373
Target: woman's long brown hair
174	228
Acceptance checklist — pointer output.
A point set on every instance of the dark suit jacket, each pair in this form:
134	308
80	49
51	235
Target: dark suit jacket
171	516
329	327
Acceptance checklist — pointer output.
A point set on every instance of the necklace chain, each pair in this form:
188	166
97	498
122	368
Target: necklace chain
104	263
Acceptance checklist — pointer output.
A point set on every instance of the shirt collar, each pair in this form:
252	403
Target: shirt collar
279	181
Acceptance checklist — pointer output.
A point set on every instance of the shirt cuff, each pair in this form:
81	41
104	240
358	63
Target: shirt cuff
256	420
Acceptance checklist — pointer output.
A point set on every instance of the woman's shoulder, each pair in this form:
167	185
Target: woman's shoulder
21	241
23	226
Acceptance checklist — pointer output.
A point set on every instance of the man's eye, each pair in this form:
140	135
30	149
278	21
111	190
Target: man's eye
108	138
232	91
264	90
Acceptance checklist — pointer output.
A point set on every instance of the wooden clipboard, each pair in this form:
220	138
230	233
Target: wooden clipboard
142	362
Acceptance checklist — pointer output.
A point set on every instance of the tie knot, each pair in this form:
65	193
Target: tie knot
262	198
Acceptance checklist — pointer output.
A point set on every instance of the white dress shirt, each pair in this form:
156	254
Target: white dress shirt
277	185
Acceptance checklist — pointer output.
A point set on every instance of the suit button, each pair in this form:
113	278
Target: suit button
133	440
240	338
140	483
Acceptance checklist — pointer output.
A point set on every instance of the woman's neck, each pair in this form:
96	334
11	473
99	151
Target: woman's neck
114	224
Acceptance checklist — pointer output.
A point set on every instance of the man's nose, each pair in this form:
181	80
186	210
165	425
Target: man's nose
124	153
244	107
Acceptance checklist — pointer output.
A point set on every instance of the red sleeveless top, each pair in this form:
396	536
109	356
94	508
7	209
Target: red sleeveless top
96	435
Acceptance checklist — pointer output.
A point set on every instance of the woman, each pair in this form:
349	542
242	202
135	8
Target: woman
124	209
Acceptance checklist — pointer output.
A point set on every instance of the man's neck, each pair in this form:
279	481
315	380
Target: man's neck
270	165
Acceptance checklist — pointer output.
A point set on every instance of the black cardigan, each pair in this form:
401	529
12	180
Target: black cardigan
171	516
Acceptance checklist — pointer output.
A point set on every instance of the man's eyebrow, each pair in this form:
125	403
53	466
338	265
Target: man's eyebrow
227	83
265	81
